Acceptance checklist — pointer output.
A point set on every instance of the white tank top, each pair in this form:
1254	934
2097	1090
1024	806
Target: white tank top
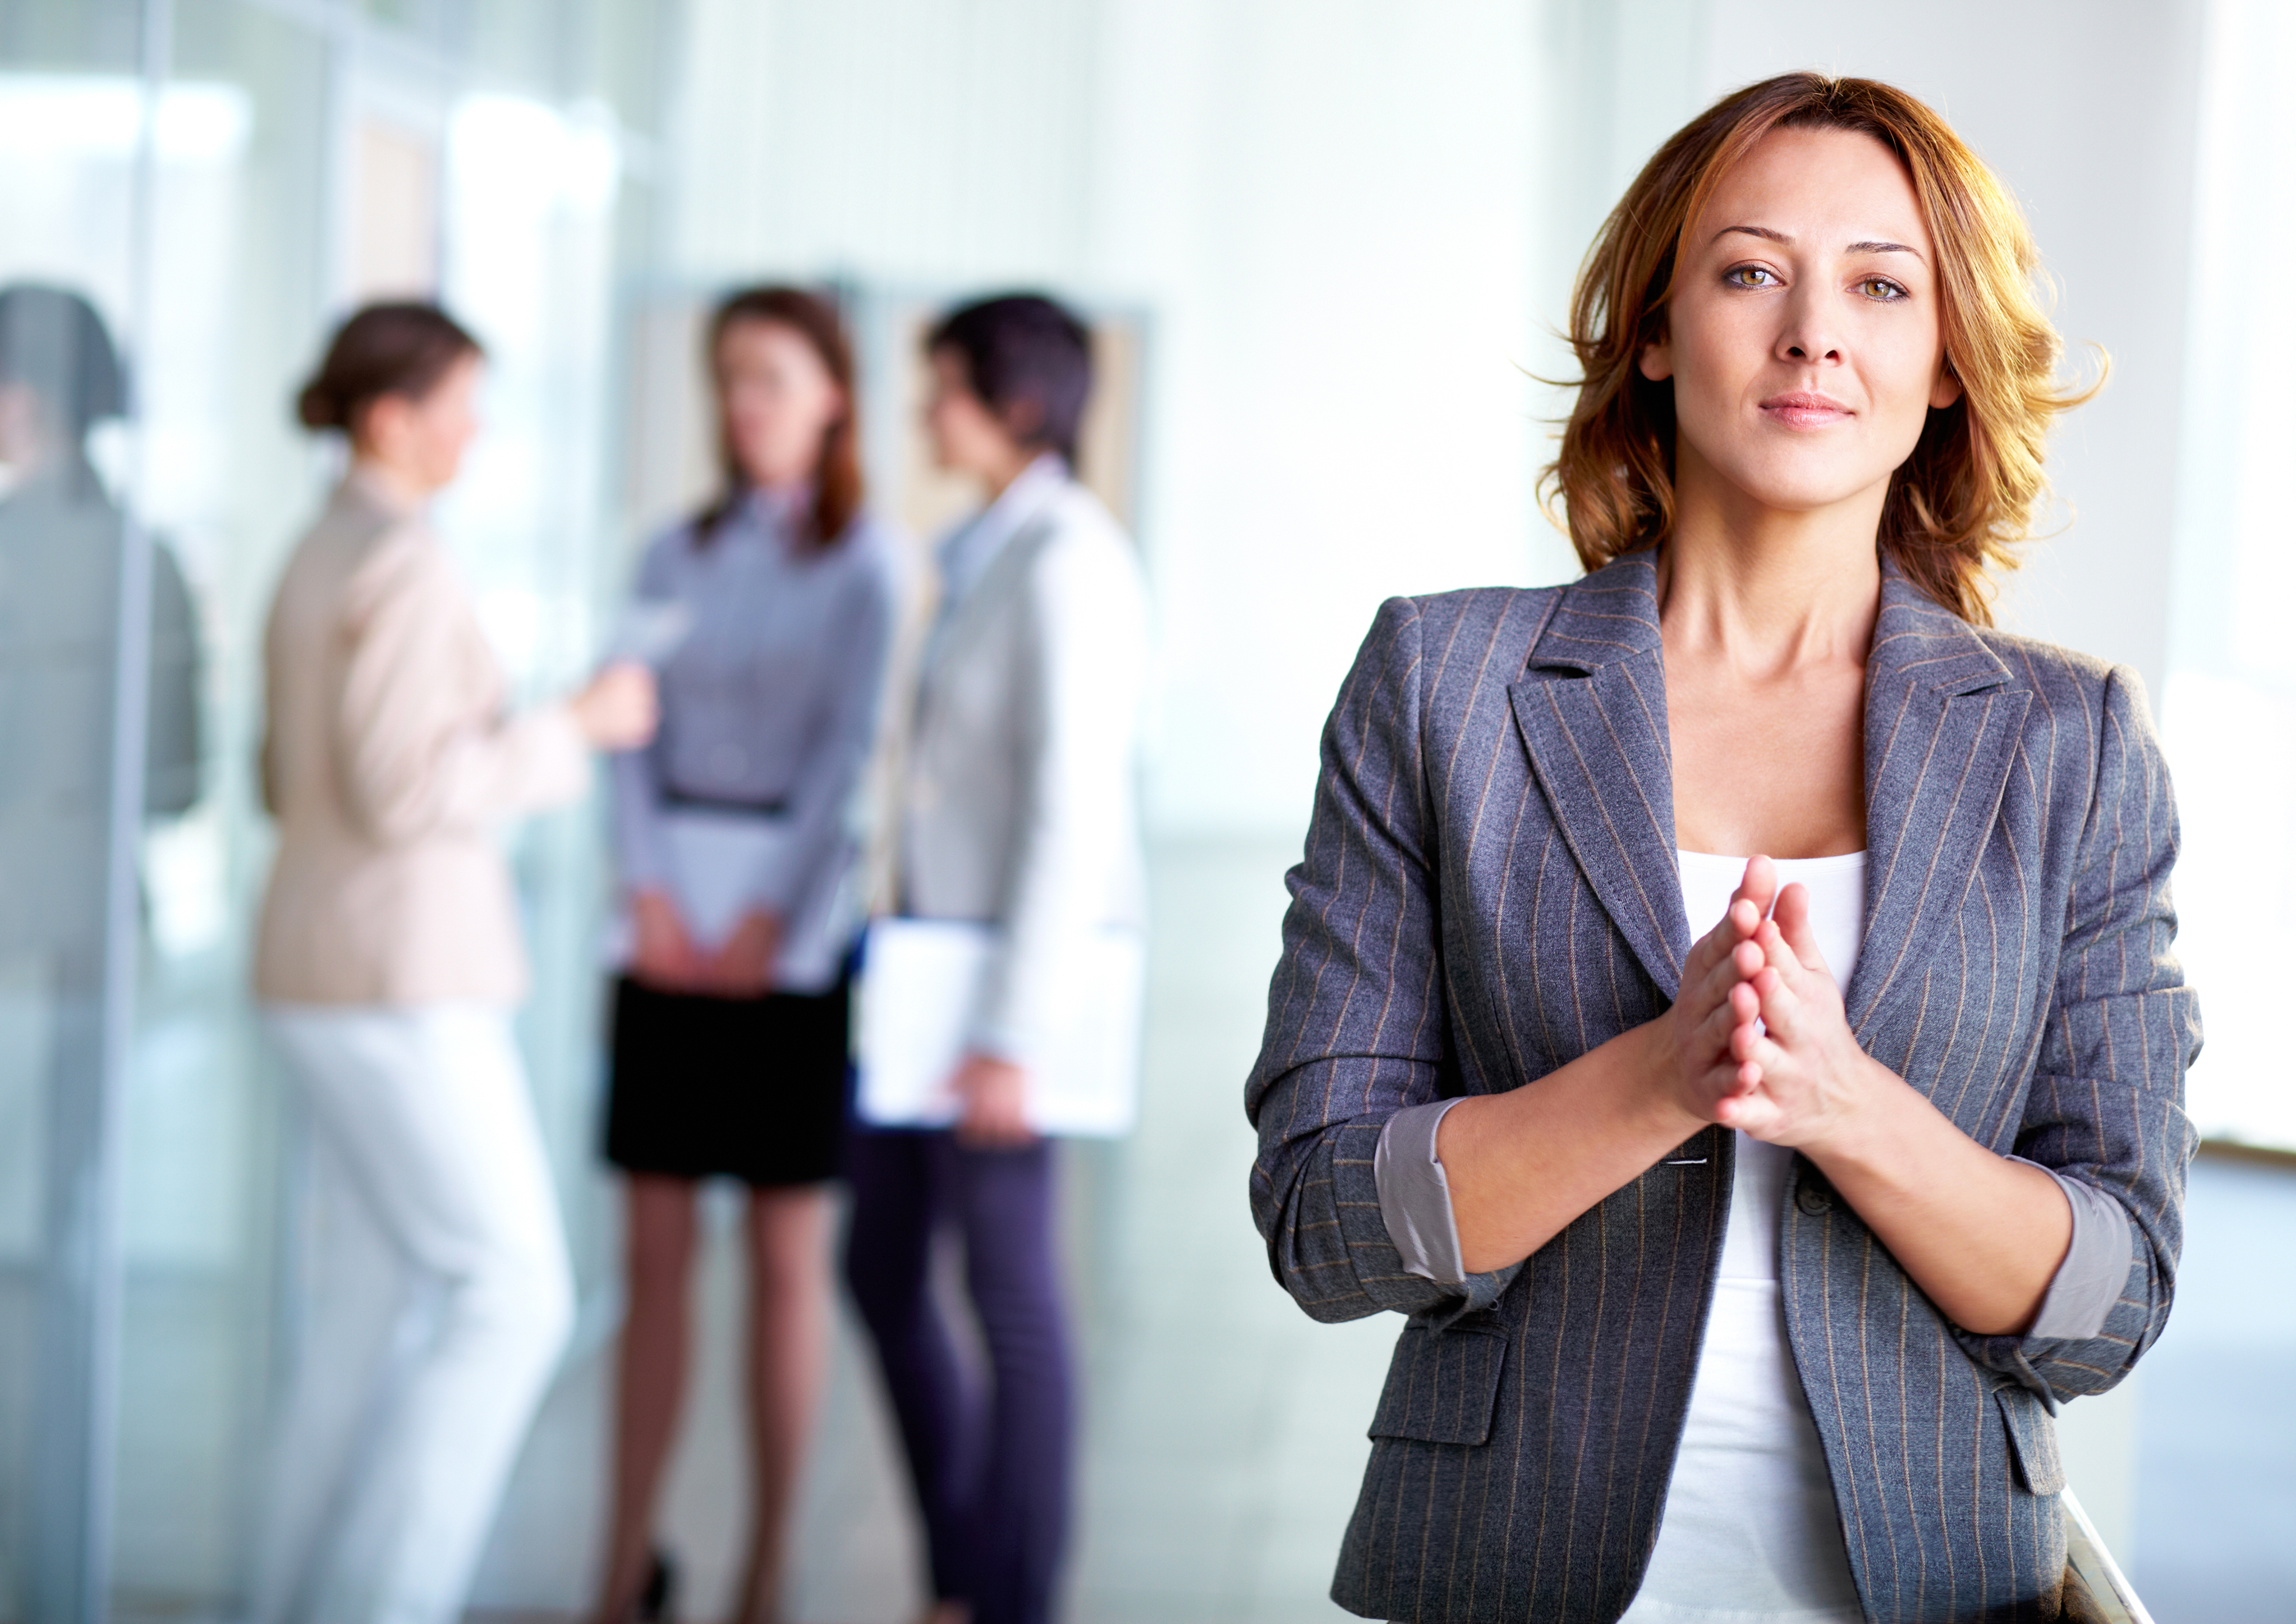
1751	1535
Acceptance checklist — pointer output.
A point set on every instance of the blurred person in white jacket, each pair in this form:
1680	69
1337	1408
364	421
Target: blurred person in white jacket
388	965
1017	810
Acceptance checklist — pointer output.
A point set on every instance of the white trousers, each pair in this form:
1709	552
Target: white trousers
439	1301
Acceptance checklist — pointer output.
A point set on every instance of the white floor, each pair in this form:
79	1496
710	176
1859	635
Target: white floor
1224	1432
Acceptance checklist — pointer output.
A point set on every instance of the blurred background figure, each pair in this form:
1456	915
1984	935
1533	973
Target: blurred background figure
1017	810
733	841
60	534
388	963
63	543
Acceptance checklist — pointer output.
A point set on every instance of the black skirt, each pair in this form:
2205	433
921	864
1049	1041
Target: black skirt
748	1088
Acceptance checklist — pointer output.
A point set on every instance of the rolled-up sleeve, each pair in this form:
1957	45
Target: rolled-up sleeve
1414	1196
1355	1030
2087	1283
2105	1112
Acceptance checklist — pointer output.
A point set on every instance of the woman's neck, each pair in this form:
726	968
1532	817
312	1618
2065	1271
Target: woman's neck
1007	472
1767	589
388	480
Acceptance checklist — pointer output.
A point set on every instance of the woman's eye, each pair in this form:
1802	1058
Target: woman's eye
1750	277
1880	287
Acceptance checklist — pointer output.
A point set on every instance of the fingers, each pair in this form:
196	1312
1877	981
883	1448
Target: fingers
1713	1036
1791	919
1708	964
1755	1113
1786	1014
1759	886
989	1128
1714	946
1708	990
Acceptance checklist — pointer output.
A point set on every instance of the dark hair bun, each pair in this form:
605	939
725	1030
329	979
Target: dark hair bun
396	348
316	407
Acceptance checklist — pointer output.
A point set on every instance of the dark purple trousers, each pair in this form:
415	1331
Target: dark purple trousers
990	1467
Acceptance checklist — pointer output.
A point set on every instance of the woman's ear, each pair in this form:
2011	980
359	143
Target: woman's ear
379	428
1022	420
1656	361
1946	389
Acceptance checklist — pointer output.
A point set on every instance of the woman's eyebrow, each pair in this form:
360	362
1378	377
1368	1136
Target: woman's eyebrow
1871	246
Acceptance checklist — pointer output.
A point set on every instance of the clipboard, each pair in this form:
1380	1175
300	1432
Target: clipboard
921	985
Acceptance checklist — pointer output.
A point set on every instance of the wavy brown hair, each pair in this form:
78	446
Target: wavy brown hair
1969	492
837	491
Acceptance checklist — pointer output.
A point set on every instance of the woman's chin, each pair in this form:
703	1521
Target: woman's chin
1799	491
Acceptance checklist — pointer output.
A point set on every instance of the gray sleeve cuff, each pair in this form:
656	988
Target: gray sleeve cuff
2096	1269
1414	1198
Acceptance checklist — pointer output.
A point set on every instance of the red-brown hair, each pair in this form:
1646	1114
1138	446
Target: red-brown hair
837	489
1969	490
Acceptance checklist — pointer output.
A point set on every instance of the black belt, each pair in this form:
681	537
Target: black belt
680	800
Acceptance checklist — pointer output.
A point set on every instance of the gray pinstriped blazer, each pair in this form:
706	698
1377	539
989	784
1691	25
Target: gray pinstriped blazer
1489	890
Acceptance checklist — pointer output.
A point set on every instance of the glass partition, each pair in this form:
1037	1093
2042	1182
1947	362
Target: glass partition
197	189
79	144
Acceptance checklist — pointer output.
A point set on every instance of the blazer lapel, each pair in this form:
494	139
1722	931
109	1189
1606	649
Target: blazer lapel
1943	717
1591	706
999	578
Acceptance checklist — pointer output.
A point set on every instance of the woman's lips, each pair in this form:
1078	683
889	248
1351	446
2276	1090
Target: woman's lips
1803	409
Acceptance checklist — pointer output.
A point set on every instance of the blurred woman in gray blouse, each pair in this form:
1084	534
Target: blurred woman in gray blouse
732	838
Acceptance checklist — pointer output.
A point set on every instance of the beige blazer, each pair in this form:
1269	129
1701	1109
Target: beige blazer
388	763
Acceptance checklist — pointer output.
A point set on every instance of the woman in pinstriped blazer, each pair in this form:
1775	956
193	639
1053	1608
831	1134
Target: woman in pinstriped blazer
1511	1089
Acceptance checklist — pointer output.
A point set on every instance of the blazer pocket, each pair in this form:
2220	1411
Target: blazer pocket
2032	1440
1442	1385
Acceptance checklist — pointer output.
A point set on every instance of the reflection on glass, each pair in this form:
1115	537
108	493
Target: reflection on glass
63	544
206	219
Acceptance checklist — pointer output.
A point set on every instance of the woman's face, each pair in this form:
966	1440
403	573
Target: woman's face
779	401
1804	336
422	438
967	437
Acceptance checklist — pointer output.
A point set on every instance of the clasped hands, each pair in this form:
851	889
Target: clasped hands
665	957
991	1093
1757	1039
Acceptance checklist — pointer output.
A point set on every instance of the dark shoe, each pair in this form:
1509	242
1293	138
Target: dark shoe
658	1602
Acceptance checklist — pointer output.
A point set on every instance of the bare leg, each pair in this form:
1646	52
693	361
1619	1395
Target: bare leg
789	1335
656	1331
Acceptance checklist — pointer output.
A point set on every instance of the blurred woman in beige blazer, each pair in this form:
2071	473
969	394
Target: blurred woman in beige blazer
388	963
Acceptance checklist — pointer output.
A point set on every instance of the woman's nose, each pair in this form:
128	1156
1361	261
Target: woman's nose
1809	335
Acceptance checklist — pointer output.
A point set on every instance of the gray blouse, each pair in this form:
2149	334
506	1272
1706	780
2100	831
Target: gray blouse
768	704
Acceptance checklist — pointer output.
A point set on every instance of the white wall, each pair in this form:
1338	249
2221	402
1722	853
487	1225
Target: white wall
2230	706
1331	211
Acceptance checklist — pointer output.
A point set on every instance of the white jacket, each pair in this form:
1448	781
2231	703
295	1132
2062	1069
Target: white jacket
1019	802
